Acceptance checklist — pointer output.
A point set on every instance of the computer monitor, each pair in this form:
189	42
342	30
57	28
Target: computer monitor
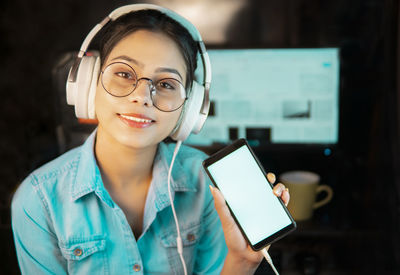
273	96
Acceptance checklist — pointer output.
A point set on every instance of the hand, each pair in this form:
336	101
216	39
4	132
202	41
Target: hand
279	189
238	248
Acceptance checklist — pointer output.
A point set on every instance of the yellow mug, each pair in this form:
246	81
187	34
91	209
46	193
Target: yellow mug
304	187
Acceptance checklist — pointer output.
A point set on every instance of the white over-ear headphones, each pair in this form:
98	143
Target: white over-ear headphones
82	78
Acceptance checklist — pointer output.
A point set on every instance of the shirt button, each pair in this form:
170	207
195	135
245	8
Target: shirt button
136	267
190	237
78	252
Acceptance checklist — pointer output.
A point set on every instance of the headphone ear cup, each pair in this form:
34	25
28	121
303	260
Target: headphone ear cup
192	118
201	118
78	91
93	88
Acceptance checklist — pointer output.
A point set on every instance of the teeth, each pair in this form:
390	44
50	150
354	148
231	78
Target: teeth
136	119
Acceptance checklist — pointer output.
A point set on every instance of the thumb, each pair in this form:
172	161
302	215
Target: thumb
222	209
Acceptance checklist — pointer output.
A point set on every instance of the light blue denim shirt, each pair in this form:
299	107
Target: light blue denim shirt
65	222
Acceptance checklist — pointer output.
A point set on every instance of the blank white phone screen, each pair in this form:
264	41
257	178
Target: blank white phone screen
249	195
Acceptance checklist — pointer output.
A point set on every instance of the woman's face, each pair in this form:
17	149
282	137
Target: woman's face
133	120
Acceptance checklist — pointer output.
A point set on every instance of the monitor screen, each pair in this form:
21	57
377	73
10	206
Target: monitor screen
273	96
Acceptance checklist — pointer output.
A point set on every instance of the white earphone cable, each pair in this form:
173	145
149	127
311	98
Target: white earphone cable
269	260
178	239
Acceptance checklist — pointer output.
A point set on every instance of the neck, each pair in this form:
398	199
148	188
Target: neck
122	166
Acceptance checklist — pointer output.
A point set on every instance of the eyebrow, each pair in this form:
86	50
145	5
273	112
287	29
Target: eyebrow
169	70
140	64
129	59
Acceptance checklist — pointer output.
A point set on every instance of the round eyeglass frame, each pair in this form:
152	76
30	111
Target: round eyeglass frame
152	88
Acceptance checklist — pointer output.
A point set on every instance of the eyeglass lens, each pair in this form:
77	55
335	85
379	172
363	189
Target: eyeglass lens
119	79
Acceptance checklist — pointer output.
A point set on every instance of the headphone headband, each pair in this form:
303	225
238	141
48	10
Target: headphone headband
136	7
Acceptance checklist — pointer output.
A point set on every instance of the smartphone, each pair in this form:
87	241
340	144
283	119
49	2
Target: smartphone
261	216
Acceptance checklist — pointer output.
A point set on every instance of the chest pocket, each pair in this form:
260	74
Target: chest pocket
85	255
190	235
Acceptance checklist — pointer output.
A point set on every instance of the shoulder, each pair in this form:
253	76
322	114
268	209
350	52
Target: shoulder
62	164
188	158
187	172
187	153
33	189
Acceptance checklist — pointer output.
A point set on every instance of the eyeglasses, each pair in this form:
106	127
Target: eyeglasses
120	80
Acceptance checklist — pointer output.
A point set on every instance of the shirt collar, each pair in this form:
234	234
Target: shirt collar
162	162
158	197
88	177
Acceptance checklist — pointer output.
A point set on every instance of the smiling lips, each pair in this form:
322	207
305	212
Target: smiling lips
136	120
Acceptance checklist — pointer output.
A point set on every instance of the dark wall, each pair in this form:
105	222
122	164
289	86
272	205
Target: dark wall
35	33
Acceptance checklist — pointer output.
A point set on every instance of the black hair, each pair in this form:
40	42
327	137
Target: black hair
152	20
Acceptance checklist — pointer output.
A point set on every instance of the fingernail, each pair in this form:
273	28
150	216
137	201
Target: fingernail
211	188
272	175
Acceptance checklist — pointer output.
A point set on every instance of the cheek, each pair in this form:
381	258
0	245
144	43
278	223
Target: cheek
102	103
98	105
173	119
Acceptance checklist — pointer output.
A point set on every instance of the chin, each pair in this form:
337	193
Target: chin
139	140
134	138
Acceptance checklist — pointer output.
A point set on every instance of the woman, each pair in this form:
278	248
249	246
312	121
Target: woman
103	208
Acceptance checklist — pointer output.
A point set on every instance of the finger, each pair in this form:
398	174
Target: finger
285	196
278	189
271	177
222	209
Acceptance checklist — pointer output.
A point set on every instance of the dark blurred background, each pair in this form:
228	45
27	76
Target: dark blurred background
357	233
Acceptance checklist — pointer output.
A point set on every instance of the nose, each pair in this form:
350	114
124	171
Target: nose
142	93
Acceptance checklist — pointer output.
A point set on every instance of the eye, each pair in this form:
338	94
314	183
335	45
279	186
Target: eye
126	75
167	84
